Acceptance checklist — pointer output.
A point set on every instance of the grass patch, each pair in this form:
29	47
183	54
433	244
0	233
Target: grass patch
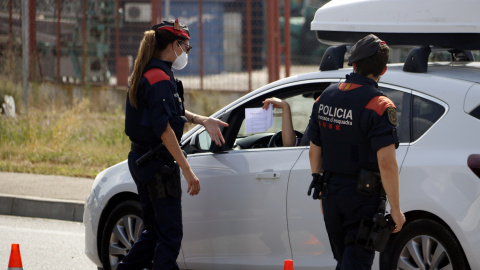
71	141
71	138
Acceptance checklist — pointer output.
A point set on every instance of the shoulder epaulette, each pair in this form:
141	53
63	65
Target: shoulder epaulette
379	104
155	75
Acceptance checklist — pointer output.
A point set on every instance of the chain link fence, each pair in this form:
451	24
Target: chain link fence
95	42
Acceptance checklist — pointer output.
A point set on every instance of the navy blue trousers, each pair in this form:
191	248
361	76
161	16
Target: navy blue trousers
162	218
343	210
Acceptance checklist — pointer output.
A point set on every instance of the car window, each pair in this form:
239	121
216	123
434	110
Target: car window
402	102
300	107
472	101
300	97
475	112
424	114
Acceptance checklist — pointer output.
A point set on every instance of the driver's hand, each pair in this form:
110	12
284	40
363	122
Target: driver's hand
277	103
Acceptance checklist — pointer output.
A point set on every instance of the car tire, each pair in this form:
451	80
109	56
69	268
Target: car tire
123	227
423	244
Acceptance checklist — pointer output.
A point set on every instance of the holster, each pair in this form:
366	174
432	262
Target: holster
166	183
373	233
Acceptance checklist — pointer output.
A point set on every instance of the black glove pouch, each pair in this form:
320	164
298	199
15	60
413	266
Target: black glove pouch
166	183
368	182
373	233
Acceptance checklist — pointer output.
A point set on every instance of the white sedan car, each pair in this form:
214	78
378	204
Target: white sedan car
253	211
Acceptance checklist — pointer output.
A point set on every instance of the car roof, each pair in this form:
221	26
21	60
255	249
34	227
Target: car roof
466	72
469	72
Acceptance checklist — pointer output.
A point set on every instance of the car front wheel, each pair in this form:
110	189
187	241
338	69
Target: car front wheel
424	244
123	227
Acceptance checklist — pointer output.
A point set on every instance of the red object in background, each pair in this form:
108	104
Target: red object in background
122	71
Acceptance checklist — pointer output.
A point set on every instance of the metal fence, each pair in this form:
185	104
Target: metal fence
238	45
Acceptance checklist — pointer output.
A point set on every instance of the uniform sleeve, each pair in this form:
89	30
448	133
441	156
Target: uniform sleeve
313	130
382	123
161	106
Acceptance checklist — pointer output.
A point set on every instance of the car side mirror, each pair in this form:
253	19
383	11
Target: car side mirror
201	142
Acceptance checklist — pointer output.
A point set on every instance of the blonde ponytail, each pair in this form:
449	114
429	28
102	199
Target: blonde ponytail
145	53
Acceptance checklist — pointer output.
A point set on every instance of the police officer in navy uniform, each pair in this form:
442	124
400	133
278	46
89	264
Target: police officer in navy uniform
155	118
352	128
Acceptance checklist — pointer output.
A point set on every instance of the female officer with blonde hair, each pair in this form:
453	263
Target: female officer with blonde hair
155	115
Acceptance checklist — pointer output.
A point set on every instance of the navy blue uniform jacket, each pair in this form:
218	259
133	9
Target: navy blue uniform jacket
351	121
159	101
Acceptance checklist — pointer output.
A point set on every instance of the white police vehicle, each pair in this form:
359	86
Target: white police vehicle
253	211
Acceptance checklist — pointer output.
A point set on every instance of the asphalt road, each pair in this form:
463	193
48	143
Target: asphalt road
44	243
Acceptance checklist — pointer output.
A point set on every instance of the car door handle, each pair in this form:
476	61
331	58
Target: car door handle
267	175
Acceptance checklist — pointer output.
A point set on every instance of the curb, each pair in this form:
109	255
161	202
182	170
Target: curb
41	208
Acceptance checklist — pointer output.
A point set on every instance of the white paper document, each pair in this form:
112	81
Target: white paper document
258	119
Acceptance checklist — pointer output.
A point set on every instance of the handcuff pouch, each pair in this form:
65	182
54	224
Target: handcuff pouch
368	182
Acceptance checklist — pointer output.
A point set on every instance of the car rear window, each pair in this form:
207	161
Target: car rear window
476	112
424	114
402	102
472	101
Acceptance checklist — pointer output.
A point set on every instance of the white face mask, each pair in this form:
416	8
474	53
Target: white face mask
181	60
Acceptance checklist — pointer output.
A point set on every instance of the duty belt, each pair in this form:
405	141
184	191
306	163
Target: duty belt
159	152
138	148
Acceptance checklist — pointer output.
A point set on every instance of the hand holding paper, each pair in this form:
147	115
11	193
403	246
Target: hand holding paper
258	119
